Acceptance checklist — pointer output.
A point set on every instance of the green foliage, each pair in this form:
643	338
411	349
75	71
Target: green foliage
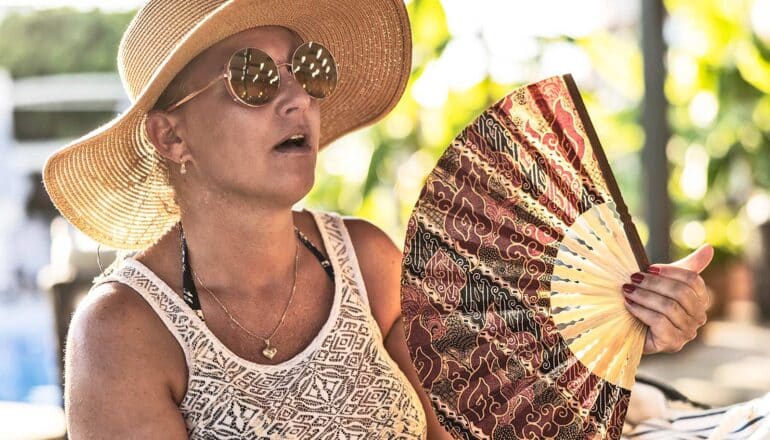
716	63
407	143
719	75
716	166
60	41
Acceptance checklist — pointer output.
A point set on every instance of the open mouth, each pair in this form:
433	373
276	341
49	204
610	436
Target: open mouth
295	142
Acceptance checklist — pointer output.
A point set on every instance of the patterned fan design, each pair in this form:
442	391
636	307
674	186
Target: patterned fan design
514	259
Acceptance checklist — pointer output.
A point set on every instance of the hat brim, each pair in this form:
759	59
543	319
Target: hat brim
110	183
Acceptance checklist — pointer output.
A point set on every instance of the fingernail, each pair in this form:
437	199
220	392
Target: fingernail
629	302
637	278
653	270
629	288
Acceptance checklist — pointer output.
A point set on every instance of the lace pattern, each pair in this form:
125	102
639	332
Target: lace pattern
344	385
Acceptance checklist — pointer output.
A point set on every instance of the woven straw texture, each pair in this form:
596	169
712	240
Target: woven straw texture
111	184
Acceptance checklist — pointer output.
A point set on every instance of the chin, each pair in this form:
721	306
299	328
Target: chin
290	189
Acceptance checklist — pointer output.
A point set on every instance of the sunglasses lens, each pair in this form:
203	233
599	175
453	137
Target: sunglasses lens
254	77
315	69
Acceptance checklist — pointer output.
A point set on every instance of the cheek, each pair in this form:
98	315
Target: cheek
315	115
230	134
248	135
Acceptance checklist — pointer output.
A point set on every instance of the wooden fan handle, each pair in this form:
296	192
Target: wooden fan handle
604	166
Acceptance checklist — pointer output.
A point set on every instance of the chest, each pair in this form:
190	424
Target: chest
291	330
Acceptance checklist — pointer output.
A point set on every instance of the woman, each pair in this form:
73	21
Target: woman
240	317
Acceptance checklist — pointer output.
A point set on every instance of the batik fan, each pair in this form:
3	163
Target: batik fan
514	259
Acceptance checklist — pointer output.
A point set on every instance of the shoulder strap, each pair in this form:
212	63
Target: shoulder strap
325	263
189	292
340	246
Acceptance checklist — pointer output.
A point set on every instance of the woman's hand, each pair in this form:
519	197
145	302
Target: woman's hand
671	299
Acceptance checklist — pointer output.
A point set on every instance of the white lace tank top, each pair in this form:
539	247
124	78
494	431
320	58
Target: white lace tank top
344	385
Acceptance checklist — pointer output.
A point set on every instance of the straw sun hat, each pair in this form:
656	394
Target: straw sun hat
111	183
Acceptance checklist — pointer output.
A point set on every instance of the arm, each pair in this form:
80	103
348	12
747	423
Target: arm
116	381
380	262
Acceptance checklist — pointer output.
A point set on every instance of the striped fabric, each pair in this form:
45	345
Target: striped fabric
747	420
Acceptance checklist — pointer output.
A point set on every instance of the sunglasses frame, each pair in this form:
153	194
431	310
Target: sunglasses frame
228	77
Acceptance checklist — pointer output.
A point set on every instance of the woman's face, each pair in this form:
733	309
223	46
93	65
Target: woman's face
232	147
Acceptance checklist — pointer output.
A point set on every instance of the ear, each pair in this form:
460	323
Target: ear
163	130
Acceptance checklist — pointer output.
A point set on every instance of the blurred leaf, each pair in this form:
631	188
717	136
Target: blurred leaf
754	69
429	29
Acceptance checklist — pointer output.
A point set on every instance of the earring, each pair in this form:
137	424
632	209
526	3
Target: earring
183	168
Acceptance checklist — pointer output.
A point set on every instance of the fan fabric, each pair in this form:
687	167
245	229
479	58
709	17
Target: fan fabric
514	259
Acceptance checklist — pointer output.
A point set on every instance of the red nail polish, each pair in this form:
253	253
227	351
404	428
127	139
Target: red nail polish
629	302
637	278
629	288
653	270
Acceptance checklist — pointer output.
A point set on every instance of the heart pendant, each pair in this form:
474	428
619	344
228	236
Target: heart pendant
269	352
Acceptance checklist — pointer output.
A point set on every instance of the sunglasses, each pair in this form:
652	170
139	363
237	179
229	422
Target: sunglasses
253	77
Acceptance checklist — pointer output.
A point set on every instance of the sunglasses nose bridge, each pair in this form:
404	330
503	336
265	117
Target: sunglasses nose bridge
290	78
294	94
289	69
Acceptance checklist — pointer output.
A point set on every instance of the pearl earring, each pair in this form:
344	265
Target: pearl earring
183	168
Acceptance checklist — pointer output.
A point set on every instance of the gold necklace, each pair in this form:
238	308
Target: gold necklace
270	350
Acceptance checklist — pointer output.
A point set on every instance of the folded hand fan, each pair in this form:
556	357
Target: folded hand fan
514	259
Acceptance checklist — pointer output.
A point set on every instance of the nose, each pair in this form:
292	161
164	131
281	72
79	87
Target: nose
291	97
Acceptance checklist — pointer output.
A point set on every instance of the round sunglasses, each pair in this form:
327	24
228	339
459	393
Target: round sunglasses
253	77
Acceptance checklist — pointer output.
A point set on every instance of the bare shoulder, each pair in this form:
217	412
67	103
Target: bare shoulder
368	235
380	261
114	315
119	368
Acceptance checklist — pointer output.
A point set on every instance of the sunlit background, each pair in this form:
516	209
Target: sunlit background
711	181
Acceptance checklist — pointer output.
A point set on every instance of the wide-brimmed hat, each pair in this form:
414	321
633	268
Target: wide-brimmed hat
111	183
